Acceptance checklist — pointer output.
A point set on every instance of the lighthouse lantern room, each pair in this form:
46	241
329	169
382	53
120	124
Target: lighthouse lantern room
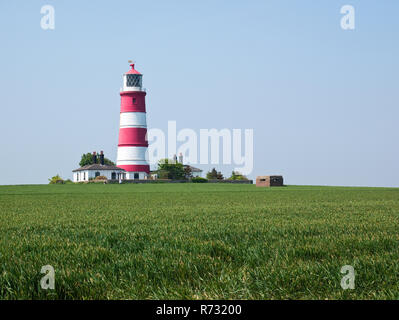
132	144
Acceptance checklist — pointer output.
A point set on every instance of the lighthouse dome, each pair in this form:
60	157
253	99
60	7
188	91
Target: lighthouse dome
132	70
132	80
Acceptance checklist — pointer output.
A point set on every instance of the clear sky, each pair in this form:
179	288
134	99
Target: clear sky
323	102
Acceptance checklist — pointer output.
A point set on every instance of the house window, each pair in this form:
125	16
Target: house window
113	176
134	101
84	175
97	174
77	176
136	175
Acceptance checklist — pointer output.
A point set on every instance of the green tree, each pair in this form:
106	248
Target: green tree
235	175
171	170
213	175
87	158
56	179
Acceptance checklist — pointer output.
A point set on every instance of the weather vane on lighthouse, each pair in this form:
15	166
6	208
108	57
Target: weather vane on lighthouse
131	63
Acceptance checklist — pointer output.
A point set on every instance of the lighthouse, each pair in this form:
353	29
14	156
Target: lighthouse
132	144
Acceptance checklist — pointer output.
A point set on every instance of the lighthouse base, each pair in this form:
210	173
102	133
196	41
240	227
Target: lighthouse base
136	175
134	171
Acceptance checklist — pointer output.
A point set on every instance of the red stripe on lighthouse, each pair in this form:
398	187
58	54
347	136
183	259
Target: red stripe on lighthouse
133	137
133	101
136	168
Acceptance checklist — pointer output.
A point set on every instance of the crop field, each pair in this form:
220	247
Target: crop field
198	241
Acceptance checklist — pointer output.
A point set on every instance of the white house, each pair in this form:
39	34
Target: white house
92	171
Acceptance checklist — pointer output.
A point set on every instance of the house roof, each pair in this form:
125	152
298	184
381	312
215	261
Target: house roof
97	166
193	169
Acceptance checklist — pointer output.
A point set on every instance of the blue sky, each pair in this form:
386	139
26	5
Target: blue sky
322	101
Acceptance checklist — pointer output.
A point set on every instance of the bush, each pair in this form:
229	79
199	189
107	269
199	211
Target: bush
214	175
56	180
199	180
100	178
235	175
163	174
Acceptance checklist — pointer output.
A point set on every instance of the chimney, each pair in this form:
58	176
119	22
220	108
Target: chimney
94	157
181	158
102	157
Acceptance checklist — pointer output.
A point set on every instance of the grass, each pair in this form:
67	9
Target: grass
198	241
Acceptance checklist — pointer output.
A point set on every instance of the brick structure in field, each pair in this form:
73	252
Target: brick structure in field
269	181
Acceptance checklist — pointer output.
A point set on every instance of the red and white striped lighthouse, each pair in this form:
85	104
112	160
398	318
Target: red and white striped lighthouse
132	145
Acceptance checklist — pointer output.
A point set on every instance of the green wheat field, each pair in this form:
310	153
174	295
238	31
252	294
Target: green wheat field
198	241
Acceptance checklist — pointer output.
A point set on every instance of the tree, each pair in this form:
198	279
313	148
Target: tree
235	175
56	179
170	169
87	159
213	175
188	174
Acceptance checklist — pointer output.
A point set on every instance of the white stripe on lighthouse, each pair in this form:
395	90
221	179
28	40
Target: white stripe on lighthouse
131	162
131	153
133	120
